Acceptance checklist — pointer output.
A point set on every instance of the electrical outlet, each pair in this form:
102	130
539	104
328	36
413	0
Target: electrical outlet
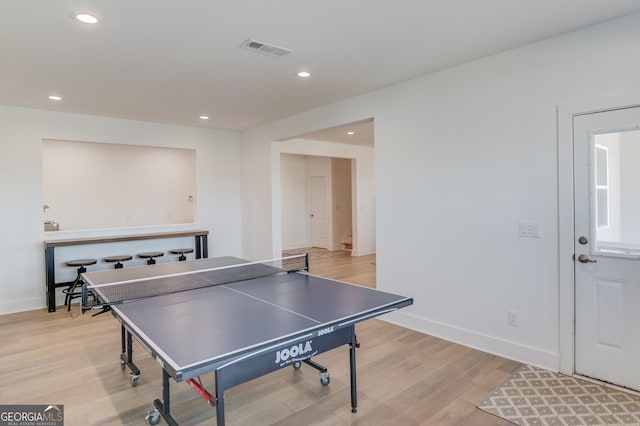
512	318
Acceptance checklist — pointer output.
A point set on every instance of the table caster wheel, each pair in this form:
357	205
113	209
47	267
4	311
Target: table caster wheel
153	417
325	379
123	365
133	378
297	365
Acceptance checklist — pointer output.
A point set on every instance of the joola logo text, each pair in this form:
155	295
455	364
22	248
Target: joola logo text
293	352
325	331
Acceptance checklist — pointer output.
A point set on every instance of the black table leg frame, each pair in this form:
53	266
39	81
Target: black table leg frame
126	356
49	258
164	406
352	366
251	366
202	246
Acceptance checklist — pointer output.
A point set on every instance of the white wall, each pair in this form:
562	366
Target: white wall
22	130
462	156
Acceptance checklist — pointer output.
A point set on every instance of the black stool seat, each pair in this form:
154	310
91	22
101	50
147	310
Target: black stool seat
73	291
182	252
80	262
149	255
117	259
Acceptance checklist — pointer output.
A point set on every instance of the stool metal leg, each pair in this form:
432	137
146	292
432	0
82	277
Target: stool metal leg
72	288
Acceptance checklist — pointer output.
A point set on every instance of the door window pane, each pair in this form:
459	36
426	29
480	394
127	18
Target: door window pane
602	186
602	207
616	192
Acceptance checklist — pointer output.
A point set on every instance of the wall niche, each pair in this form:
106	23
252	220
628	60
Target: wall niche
89	185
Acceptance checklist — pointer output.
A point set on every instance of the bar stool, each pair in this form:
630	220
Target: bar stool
73	292
149	255
182	252
118	259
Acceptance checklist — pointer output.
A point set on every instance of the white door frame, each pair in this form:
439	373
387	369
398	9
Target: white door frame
566	279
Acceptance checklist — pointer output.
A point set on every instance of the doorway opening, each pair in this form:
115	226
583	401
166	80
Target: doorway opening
316	197
327	197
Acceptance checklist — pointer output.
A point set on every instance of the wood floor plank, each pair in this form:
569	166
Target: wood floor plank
404	377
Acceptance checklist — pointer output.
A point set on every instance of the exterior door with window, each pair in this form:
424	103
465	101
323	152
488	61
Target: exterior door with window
607	246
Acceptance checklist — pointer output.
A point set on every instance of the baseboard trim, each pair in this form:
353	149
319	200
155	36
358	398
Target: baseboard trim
490	344
21	305
363	252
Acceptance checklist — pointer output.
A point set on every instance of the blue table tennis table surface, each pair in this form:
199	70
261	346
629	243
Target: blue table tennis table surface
197	331
197	328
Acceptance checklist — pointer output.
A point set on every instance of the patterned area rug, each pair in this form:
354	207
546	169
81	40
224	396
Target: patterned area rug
533	396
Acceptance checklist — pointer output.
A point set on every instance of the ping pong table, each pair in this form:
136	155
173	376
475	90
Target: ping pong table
237	319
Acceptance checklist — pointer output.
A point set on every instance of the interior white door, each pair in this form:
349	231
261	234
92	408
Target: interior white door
607	246
318	211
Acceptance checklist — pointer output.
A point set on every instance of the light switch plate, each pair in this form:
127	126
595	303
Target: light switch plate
530	229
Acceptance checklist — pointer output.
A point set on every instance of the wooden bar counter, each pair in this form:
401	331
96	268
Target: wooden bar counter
201	251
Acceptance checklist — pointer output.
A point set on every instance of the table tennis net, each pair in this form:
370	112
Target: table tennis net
101	295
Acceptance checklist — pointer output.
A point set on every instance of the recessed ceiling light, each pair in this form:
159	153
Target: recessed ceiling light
55	98
204	117
304	74
86	18
351	133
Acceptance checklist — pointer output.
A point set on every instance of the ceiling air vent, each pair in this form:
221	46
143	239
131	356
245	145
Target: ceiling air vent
266	48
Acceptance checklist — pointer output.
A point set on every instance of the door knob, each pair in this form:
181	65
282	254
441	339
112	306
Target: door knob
583	258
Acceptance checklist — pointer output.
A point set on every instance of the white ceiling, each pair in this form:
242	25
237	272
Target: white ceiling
172	61
362	134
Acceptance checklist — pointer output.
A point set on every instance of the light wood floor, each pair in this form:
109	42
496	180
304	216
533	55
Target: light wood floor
404	377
